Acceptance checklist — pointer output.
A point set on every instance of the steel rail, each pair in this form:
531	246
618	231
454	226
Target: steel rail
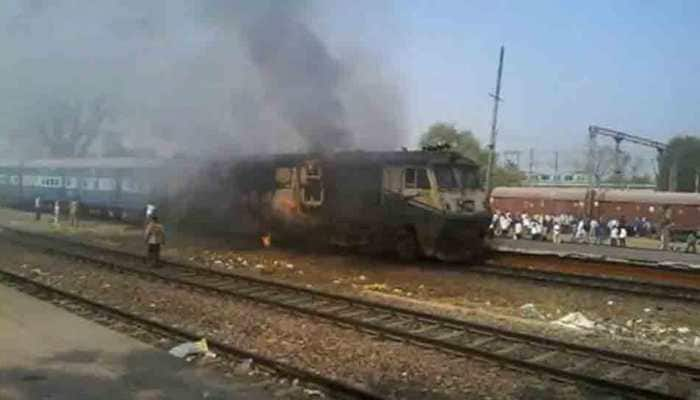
282	369
628	286
623	373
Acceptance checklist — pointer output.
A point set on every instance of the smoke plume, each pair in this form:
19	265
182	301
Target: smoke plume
211	78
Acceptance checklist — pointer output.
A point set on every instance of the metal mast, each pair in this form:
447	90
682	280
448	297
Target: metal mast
618	137
494	123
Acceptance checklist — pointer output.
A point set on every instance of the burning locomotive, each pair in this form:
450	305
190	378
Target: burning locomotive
414	203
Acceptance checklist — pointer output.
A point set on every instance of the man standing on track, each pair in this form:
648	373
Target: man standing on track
154	237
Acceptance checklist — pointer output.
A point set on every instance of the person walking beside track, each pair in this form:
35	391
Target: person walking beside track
73	212
37	208
56	212
154	237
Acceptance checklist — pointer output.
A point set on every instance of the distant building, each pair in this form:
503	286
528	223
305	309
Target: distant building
577	179
563	179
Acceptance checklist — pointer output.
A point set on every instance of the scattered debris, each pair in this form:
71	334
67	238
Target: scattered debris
289	266
39	272
610	302
575	320
696	341
683	330
190	348
361	278
259	266
530	311
647	310
243	367
375	286
313	392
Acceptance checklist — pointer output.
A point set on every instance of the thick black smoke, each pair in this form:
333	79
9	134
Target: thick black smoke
299	75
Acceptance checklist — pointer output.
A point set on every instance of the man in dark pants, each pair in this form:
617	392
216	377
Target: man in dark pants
154	236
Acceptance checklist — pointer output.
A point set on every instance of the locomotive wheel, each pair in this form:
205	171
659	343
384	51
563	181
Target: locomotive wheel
407	248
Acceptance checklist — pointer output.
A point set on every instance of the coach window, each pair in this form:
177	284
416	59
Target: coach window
106	184
89	183
71	182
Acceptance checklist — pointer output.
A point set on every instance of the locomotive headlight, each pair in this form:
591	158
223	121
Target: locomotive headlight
467	205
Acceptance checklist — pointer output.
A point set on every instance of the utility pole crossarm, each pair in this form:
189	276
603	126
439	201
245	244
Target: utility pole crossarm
620	136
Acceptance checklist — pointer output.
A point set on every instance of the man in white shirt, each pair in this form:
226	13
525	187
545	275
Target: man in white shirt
581	232
622	237
556	233
505	224
56	211
37	208
614	236
517	230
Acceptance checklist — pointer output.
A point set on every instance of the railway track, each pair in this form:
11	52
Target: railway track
626	374
627	286
141	326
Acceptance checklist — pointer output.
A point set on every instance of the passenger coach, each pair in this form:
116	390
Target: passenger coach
111	185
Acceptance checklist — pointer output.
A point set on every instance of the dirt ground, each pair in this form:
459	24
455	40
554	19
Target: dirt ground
664	329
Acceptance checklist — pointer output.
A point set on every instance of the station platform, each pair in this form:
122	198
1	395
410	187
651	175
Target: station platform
626	255
49	353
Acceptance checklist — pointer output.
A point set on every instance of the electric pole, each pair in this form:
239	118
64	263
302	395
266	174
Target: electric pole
556	164
531	166
494	123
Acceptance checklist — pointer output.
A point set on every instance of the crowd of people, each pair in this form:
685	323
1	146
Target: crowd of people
546	227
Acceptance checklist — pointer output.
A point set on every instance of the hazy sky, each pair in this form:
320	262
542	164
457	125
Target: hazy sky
404	64
630	65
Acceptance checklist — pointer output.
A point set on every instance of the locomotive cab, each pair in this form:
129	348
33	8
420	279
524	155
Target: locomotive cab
451	188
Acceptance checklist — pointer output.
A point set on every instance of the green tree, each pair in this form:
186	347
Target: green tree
461	141
682	159
465	143
508	176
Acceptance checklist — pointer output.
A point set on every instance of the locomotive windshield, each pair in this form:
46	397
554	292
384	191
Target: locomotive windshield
456	176
445	176
468	177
